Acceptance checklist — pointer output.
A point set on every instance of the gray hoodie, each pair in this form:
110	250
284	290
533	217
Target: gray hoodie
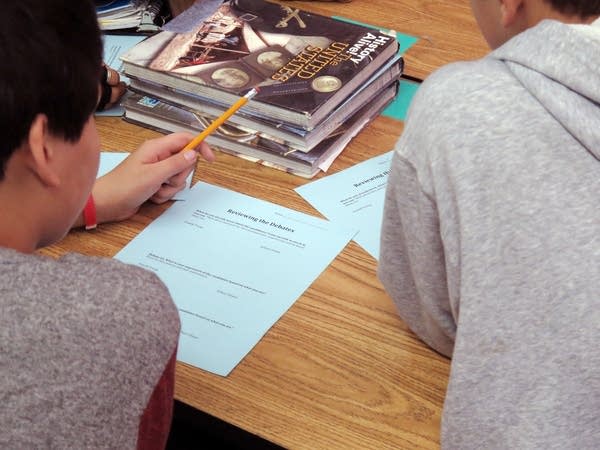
83	344
490	242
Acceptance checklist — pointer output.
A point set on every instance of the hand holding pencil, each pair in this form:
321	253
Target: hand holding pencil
156	171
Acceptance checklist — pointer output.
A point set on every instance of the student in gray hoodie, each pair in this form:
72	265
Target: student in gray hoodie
490	242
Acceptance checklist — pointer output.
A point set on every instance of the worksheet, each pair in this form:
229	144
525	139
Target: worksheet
233	264
354	197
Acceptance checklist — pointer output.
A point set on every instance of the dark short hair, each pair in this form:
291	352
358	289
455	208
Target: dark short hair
51	56
581	8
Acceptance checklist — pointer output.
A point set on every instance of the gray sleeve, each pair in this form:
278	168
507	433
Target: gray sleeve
411	265
87	340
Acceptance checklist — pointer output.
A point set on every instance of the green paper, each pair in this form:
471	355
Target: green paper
399	106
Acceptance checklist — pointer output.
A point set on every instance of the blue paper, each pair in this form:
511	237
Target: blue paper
110	160
233	264
356	196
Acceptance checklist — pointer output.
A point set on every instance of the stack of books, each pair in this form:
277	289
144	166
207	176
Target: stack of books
319	80
134	15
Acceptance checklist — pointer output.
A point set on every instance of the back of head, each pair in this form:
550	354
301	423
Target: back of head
51	53
580	8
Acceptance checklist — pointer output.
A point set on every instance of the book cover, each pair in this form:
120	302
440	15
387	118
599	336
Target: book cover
304	64
297	138
153	113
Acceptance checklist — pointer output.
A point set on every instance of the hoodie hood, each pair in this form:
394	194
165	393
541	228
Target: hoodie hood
559	64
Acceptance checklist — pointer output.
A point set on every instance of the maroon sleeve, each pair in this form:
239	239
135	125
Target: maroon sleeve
156	420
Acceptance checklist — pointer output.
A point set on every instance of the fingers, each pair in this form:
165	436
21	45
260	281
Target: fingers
116	92
166	146
167	165
162	161
159	168
111	88
179	180
166	192
206	152
177	167
111	76
161	148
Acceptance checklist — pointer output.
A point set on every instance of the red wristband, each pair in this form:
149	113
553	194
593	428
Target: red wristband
89	214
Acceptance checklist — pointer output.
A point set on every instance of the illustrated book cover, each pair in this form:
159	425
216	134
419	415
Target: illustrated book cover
298	138
304	64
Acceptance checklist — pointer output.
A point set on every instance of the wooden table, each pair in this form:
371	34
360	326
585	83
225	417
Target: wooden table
339	369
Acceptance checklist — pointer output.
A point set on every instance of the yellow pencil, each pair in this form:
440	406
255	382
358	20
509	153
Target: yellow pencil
219	121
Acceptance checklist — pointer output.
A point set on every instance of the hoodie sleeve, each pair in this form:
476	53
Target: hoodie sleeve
411	265
419	262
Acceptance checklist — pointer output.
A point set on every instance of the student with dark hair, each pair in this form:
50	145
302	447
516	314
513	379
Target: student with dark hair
490	242
87	344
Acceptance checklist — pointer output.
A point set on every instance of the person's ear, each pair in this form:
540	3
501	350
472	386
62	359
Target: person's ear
510	11
41	151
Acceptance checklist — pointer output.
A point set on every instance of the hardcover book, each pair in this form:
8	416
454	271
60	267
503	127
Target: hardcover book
160	116
304	64
298	138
